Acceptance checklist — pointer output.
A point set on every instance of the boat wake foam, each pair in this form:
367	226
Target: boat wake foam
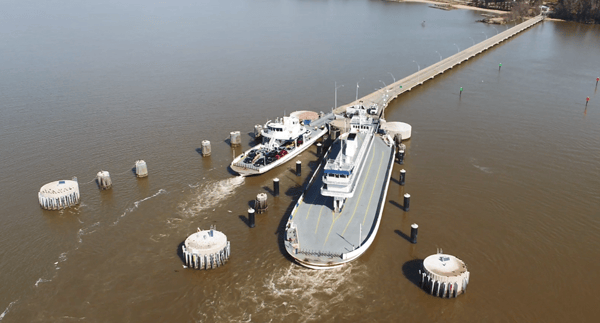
136	204
209	195
7	309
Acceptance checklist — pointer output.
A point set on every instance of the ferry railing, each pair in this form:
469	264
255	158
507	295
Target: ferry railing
319	253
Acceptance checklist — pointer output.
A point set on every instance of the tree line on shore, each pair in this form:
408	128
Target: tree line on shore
586	11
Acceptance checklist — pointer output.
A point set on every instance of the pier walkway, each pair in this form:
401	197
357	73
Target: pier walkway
386	94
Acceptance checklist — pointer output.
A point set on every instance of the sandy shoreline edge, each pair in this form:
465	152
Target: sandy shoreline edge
461	6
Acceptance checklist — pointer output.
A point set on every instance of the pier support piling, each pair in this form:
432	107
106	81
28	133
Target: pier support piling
414	230
275	186
298	168
251	218
401	157
402	176
406	202
319	149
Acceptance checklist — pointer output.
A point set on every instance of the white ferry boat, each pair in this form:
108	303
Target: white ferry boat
282	140
337	218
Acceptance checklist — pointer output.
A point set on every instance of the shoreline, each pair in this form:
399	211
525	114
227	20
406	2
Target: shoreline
454	5
465	7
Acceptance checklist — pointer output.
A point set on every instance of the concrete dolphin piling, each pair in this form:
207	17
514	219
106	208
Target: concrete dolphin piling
444	276
103	180
206	249
235	139
59	195
260	204
206	149
141	169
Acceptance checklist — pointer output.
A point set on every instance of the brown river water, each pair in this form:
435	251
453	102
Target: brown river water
505	177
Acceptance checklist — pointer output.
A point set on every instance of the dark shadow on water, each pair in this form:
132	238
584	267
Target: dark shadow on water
403	235
395	180
133	171
245	220
411	268
269	190
199	151
232	172
394	203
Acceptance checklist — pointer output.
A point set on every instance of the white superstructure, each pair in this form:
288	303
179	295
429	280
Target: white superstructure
344	169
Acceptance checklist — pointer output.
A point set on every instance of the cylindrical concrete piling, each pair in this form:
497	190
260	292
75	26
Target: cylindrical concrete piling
319	149
257	131
414	230
206	148
251	217
406	202
401	157
444	276
207	249
402	176
141	169
298	168
235	138
103	180
275	186
59	194
260	204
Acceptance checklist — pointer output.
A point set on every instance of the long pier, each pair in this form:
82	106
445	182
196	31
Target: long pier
386	94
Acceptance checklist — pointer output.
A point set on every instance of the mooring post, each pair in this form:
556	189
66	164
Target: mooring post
406	202
275	186
401	157
251	217
298	168
319	149
414	230
402	176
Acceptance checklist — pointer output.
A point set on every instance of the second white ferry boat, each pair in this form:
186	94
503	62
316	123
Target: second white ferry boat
282	139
